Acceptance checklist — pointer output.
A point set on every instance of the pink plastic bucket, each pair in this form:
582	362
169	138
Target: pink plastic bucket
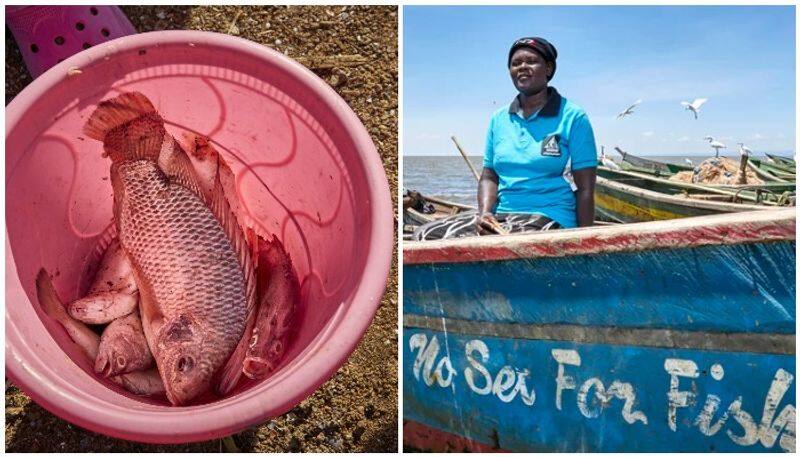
306	170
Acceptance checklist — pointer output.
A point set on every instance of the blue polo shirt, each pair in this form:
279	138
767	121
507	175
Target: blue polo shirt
534	157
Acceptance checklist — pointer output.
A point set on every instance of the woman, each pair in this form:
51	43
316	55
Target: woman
540	158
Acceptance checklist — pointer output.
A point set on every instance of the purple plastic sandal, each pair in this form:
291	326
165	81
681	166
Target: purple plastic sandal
46	35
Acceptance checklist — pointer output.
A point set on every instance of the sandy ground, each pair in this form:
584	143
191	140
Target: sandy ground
356	410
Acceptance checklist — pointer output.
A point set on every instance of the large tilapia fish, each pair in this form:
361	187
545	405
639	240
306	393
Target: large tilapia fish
188	255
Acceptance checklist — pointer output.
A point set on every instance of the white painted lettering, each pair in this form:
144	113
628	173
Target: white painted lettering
479	347
703	420
624	391
425	361
504	381
769	430
677	398
564	357
600	394
750	435
528	397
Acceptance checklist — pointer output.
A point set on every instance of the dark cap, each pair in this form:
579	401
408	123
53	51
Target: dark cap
541	46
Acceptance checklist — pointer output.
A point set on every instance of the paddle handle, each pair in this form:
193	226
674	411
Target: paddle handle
498	228
458	146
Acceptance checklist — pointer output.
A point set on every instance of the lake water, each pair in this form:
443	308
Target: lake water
448	177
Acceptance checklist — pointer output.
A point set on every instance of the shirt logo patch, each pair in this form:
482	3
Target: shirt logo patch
550	146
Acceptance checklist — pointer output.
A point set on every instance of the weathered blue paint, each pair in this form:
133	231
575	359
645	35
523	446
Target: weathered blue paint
440	397
724	288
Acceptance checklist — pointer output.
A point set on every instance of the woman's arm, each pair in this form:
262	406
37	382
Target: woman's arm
487	199
487	190
584	195
583	153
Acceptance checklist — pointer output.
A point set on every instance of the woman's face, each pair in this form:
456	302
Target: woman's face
529	71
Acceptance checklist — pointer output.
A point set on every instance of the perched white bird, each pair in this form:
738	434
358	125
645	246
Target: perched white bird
715	144
694	107
744	150
608	162
629	110
688	162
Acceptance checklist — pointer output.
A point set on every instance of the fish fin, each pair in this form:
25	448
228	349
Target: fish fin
115	112
231	372
129	127
94	259
150	314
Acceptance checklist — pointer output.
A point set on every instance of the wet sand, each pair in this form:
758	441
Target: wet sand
355	50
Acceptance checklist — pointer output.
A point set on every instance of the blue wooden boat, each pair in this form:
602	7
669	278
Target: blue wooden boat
663	336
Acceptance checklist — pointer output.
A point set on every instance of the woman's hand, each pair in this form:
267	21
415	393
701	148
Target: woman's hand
486	224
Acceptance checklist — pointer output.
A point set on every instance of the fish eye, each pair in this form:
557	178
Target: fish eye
121	361
185	364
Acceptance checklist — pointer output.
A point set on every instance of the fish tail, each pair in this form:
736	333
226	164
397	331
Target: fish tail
48	297
129	127
82	335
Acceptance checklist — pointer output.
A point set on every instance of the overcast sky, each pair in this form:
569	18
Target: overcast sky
741	58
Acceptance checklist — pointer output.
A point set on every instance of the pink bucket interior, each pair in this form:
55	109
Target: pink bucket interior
298	172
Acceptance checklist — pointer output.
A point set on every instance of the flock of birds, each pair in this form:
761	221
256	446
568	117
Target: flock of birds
694	107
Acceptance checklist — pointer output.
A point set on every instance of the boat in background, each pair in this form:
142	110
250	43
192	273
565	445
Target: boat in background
634	163
780	171
656	168
668	336
625	196
420	209
785	161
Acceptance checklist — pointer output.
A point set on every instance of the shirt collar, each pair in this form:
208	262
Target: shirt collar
549	109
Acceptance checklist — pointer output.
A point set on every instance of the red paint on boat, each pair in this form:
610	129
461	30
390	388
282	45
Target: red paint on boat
424	438
737	228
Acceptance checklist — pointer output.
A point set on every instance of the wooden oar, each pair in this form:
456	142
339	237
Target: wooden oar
464	155
495	225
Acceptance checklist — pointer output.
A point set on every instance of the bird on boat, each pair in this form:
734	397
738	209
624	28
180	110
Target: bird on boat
714	144
629	110
694	107
688	162
608	162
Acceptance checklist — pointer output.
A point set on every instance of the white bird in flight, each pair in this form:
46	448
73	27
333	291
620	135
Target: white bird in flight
694	107
714	144
629	110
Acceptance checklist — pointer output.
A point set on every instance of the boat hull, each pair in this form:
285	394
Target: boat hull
669	336
622	202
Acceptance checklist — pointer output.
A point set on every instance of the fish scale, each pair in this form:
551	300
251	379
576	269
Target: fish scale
174	240
187	254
